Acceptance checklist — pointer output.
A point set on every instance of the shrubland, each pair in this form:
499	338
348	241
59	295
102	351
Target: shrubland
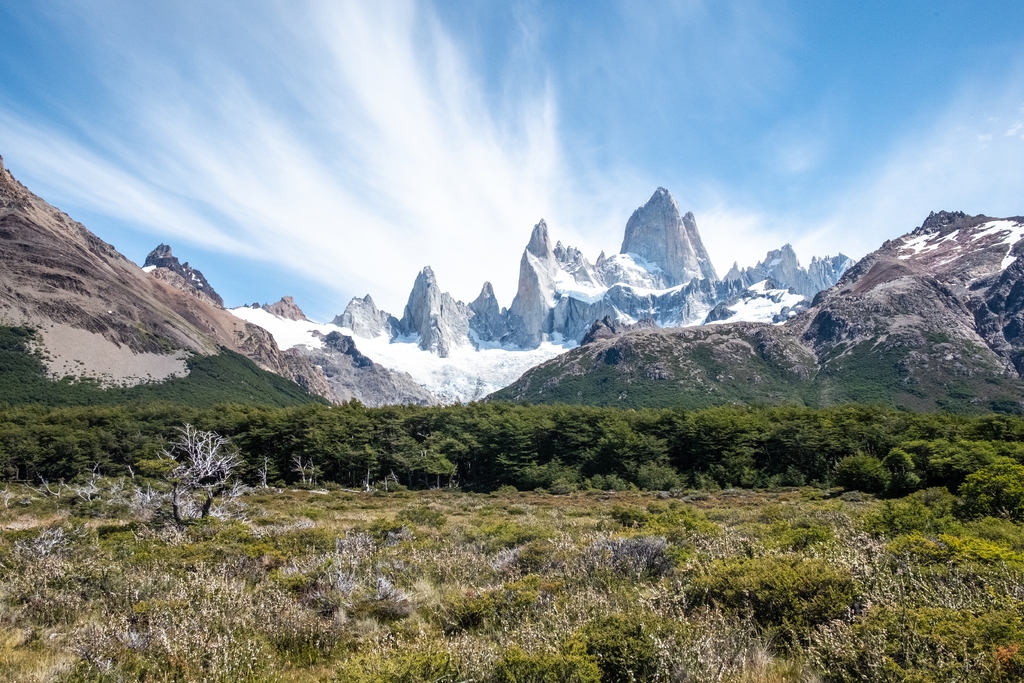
509	543
99	583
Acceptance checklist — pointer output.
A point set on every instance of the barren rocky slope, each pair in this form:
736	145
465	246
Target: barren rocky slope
99	315
934	319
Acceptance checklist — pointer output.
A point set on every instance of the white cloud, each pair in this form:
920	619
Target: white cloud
379	155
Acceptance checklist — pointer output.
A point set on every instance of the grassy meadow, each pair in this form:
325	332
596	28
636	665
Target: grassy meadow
98	583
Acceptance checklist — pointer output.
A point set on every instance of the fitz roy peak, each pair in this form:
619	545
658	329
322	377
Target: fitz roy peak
659	235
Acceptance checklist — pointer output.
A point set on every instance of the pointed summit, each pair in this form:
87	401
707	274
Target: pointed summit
488	322
163	257
657	233
529	313
439	321
540	241
365	320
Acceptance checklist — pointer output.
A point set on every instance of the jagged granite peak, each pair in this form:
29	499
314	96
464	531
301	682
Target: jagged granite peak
784	269
659	234
572	261
435	317
540	242
365	320
489	322
529	314
162	257
285	308
826	271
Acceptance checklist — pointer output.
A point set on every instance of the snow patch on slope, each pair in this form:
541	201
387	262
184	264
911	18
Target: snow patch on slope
760	304
466	375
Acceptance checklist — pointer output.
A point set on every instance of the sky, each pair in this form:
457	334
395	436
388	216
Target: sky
332	149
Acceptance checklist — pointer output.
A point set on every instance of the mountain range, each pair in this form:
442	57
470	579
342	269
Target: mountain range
932	319
662	274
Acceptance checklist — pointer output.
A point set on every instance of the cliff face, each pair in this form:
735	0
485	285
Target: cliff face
660	235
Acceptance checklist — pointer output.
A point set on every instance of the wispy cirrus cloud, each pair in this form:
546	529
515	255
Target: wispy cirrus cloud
357	151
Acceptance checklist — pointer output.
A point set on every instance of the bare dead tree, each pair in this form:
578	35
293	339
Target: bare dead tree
91	487
47	490
263	472
6	496
204	464
306	470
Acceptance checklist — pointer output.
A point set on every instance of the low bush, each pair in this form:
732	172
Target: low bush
623	647
787	592
516	666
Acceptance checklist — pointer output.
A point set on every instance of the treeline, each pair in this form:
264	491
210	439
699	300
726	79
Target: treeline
484	446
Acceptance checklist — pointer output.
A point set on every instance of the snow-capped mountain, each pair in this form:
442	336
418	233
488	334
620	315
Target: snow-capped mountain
662	276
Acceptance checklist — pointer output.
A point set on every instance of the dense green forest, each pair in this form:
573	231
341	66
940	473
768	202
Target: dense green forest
484	446
225	377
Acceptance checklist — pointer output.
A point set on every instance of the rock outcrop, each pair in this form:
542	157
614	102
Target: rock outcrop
285	308
162	257
88	302
365	320
350	374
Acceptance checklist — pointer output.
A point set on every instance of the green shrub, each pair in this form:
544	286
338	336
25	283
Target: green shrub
610	482
928	512
780	591
423	516
401	667
995	490
623	646
629	517
951	548
516	666
862	473
473	610
926	644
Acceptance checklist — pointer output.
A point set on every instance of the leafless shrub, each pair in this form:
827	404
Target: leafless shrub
355	547
49	542
6	496
505	560
637	557
90	489
48	490
204	465
145	502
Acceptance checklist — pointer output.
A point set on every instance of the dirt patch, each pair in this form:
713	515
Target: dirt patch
72	351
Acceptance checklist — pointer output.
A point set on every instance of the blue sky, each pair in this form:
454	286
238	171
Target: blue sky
330	149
